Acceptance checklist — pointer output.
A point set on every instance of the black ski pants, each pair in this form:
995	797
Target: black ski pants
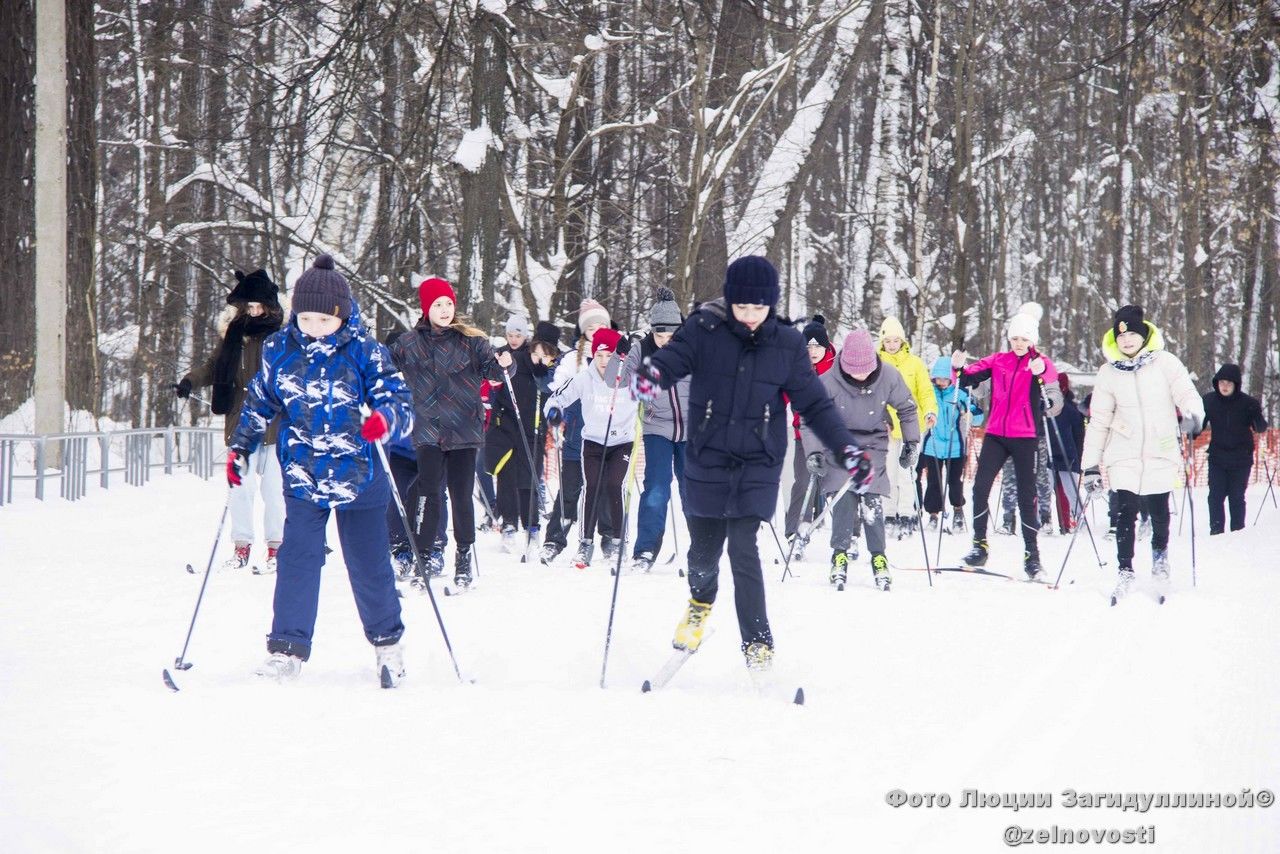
457	469
935	470
1227	483
995	450
604	488
707	538
1128	506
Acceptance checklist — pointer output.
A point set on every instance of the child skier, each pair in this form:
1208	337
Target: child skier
822	356
507	452
1231	415
740	359
664	435
315	375
1133	433
608	430
895	351
863	388
444	360
1016	406
944	448
253	314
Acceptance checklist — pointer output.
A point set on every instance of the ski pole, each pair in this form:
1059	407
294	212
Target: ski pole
1271	491
531	531
1071	544
628	485
1186	472
924	542
417	558
1062	449
944	485
808	511
181	663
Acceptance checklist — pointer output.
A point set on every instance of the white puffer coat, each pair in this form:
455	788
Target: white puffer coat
1133	418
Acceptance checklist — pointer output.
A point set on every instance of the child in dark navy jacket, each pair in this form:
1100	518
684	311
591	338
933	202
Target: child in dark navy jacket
315	375
741	360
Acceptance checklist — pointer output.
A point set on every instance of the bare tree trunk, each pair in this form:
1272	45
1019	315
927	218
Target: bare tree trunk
17	214
82	218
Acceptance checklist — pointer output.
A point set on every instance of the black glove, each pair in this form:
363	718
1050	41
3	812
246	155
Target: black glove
555	417
183	388
1092	483
858	464
624	347
814	463
907	458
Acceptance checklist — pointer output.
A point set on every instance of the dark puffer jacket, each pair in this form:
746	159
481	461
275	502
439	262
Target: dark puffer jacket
503	437
1232	421
737	418
444	369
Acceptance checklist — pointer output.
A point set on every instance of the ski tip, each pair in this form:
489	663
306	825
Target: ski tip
1113	601
191	569
682	573
1160	601
799	698
173	686
385	678
644	689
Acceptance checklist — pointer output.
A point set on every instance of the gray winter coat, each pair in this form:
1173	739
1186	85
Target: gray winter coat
665	416
864	410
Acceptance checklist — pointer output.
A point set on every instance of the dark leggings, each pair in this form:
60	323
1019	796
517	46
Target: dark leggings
458	469
995	450
1128	505
932	467
513	500
616	458
706	543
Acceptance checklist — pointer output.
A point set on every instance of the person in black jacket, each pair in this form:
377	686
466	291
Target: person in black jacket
505	450
1230	415
740	359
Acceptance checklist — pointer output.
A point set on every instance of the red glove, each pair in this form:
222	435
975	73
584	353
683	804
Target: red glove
375	427
234	463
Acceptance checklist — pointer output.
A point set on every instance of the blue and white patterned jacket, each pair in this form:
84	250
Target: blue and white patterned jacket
316	385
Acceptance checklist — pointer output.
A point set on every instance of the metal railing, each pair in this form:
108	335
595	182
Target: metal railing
127	452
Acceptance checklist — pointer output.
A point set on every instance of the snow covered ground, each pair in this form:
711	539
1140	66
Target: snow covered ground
977	683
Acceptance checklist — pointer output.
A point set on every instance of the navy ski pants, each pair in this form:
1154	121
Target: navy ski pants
362	531
707	541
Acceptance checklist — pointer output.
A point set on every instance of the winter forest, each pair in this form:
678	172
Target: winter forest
939	160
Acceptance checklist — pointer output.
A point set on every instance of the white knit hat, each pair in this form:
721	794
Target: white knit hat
1024	326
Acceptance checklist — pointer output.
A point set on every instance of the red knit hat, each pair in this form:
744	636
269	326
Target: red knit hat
605	339
431	290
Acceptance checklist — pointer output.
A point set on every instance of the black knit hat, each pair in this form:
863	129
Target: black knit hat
546	331
815	332
255	287
322	289
751	280
1129	319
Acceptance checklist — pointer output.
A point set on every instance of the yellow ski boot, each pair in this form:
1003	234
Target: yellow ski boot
759	656
689	631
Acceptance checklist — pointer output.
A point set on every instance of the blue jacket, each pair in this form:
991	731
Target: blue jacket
737	419
316	386
945	441
1070	423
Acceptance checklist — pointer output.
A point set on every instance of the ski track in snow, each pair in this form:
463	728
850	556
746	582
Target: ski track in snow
975	683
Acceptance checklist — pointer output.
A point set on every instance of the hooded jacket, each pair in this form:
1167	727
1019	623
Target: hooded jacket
316	386
737	420
864	409
946	441
608	411
916	376
502	436
1133	416
444	369
1232	420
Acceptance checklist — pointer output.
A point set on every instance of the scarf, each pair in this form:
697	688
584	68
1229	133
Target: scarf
226	366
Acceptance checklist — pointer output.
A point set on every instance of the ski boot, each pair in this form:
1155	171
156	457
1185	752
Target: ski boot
239	559
281	667
642	562
801	542
957	523
390	664
403	563
977	556
910	524
462	567
509	544
839	569
550	551
880	568
759	656
933	522
1031	566
609	547
582	559
689	629
1160	564
270	566
433	563
1123	584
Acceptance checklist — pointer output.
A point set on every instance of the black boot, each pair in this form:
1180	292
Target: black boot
462	566
1031	565
977	555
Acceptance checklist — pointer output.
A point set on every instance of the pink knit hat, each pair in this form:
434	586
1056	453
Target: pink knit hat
589	311
859	353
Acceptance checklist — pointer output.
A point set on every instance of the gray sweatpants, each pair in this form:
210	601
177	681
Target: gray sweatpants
850	514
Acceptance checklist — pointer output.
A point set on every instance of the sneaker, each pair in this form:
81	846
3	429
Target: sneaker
933	522
403	563
270	565
509	544
609	547
880	568
281	667
642	562
433	560
582	559
1031	566
689	629
390	665
462	566
550	551
1160	564
239	559
839	568
759	656
977	555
